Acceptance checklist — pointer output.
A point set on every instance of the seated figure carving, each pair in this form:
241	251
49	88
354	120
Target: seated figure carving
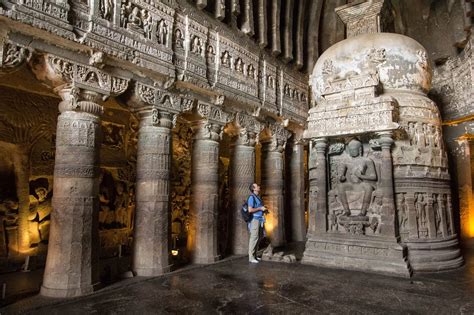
356	174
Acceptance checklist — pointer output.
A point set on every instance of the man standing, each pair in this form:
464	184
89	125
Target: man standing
256	207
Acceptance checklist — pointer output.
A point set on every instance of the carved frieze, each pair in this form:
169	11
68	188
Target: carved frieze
61	70
374	115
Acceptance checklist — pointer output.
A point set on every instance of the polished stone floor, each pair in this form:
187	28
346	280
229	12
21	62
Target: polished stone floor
235	286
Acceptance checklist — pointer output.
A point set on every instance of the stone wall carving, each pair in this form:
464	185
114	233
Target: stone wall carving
162	39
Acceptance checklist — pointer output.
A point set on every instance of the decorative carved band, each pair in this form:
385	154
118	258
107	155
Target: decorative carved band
61	70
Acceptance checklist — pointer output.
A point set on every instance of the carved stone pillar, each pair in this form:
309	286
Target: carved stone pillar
72	262
298	224
387	225
242	175
319	182
202	233
152	219
273	184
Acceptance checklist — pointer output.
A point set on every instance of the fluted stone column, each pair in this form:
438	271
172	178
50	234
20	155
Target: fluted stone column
202	233
272	186
242	175
151	255
298	224
72	261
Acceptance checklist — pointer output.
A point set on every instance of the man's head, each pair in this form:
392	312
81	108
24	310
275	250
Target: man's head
355	148
255	188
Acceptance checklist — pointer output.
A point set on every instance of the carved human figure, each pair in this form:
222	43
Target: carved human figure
239	65
123	15
134	17
178	34
162	35
251	71
411	133
355	175
402	212
429	135
226	59
420	134
196	46
147	24
210	54
420	205
106	8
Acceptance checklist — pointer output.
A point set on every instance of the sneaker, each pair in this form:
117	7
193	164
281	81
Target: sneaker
253	261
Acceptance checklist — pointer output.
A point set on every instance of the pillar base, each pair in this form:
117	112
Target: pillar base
433	255
206	260
152	272
66	293
373	254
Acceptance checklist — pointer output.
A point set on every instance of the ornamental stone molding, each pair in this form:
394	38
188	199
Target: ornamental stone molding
57	71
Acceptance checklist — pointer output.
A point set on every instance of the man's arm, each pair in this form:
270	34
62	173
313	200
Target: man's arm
252	209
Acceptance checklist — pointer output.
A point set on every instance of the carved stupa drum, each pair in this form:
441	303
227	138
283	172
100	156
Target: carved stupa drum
376	139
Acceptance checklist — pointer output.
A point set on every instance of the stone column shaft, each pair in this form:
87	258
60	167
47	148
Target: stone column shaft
243	174
72	261
387	225
202	235
152	218
272	185
298	224
318	178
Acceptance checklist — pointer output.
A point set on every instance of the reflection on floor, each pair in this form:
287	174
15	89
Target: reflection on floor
235	286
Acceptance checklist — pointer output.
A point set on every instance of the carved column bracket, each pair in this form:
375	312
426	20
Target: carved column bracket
12	56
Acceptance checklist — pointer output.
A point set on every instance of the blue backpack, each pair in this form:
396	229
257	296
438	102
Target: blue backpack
246	215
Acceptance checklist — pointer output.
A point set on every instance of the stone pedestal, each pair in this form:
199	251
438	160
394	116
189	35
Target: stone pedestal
296	193
72	261
242	175
202	233
272	185
151	256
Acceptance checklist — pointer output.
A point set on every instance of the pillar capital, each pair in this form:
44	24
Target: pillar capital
320	144
275	138
207	130
79	100
248	128
385	139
